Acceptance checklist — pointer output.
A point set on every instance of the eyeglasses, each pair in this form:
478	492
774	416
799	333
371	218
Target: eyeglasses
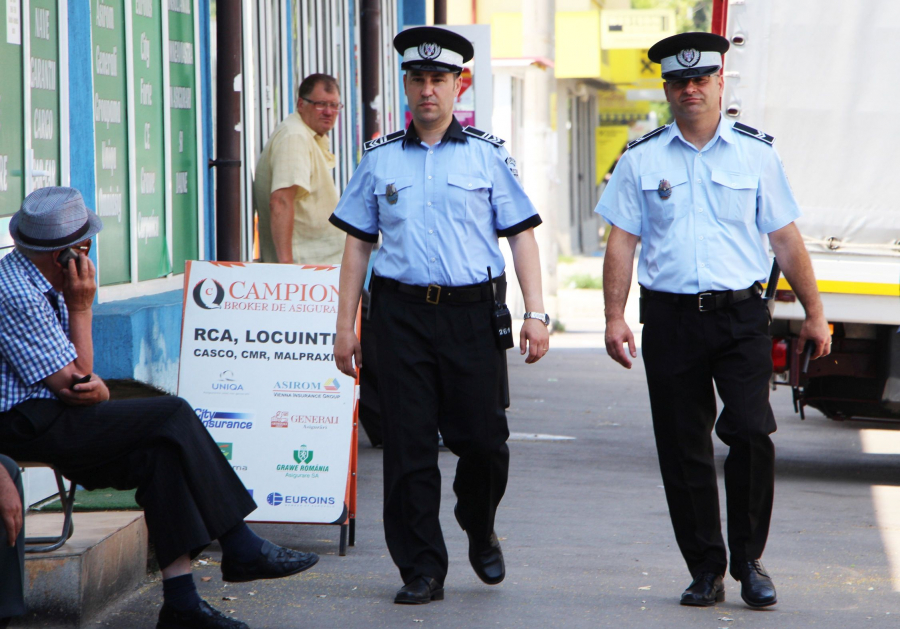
699	81
322	105
83	248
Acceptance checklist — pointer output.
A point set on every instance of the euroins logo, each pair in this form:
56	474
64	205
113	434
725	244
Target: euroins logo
226	449
209	294
225	419
275	499
280	419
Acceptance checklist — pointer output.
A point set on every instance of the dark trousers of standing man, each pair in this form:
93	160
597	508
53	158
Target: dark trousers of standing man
189	492
439	369
12	559
685	351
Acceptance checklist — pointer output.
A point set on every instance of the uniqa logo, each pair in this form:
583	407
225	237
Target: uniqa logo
209	294
227	386
303	457
274	499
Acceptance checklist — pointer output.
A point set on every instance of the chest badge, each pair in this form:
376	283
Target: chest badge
664	190
391	194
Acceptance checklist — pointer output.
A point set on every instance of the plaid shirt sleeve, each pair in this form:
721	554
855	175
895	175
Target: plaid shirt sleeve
32	338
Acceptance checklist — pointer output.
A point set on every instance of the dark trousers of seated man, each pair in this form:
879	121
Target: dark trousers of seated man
685	351
439	370
12	559
189	492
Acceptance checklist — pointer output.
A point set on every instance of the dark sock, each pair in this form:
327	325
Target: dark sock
241	543
181	593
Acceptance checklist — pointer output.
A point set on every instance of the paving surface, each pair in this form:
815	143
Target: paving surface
586	532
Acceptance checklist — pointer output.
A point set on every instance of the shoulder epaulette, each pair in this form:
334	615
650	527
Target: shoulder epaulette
483	135
753	133
647	136
385	139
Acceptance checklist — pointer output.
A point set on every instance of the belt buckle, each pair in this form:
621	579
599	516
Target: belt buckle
700	302
436	298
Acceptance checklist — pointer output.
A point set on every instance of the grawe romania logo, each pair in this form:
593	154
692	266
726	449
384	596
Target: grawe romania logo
303	458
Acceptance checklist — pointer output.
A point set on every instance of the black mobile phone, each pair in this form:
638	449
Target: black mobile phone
83	380
65	256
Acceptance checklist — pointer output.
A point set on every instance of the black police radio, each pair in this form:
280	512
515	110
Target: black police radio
501	319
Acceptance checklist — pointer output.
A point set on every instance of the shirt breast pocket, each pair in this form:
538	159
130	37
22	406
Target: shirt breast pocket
469	197
735	196
394	195
666	194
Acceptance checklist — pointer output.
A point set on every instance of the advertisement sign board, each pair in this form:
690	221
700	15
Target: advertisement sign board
257	365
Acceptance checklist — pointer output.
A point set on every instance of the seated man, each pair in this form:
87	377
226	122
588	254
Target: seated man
12	542
54	409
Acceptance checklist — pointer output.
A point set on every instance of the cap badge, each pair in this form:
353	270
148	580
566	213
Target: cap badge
688	58
664	190
429	50
390	192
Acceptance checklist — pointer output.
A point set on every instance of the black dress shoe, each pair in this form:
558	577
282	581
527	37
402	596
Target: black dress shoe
485	555
705	590
757	588
420	591
273	562
201	617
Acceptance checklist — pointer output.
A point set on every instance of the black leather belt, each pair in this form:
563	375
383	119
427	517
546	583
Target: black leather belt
706	301
436	294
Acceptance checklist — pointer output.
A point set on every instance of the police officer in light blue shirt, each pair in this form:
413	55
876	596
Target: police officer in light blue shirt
706	196
440	195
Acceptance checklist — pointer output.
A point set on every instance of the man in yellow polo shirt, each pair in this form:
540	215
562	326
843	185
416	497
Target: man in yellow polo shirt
293	191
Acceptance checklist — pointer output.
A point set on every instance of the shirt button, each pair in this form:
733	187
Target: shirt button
702	265
430	231
470	185
700	210
701	237
429	176
431	152
699	181
432	259
429	204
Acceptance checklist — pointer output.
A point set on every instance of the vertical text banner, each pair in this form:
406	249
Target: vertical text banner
153	256
182	105
12	136
111	139
257	365
44	114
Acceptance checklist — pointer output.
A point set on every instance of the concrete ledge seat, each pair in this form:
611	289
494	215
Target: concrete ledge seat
104	560
139	339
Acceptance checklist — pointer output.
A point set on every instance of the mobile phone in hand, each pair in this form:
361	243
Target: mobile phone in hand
83	380
65	256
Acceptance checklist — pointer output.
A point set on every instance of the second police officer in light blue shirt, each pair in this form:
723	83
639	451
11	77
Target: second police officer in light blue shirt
440	195
705	196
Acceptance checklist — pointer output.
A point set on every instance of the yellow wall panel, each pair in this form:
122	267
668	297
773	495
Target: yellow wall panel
506	35
577	44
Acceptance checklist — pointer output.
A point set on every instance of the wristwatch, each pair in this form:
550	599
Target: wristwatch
543	317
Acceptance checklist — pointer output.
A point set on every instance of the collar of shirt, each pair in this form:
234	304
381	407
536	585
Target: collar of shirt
31	272
724	131
321	140
453	132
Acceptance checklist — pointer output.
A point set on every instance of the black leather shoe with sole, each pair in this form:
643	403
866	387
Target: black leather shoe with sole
757	588
273	562
420	591
201	617
485	555
705	590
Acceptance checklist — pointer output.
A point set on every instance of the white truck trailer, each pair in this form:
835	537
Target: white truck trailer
822	77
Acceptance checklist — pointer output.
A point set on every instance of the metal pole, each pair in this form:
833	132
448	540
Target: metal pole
228	138
370	16
440	11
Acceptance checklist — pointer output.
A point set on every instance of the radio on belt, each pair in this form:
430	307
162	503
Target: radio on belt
501	319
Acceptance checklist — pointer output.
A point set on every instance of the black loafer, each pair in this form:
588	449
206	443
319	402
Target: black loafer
757	588
705	590
273	562
201	617
485	555
420	591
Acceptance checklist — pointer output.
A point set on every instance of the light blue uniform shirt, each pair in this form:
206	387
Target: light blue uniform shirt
452	201
710	234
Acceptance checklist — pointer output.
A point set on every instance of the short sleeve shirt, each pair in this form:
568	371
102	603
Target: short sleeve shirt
296	156
703	215
440	209
34	332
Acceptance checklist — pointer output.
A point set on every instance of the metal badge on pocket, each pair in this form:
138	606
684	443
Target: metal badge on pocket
665	189
390	193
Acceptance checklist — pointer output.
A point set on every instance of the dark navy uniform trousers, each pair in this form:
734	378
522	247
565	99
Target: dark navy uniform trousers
12	558
189	492
439	370
685	351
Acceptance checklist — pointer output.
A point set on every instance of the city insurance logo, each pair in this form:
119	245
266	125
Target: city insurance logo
209	294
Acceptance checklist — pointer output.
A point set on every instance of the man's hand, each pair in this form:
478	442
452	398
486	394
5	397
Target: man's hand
346	348
617	335
79	284
87	393
10	507
534	339
815	329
